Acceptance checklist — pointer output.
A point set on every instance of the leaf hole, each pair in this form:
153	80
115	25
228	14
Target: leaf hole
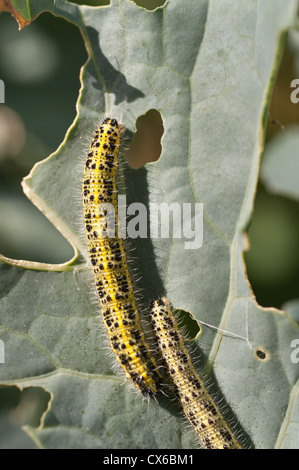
22	407
146	144
189	327
149	4
261	354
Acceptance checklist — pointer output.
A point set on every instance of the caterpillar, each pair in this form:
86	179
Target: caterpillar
198	406
109	262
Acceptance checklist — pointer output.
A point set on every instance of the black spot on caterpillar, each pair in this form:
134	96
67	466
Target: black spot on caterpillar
109	262
198	406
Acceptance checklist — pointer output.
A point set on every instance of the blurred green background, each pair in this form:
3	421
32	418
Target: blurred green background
40	67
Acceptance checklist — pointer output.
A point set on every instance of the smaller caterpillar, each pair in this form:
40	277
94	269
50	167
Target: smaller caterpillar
198	406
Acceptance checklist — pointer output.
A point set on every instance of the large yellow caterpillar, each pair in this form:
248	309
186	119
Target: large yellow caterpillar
109	262
198	406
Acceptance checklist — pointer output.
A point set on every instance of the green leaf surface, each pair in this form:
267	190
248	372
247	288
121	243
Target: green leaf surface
208	68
